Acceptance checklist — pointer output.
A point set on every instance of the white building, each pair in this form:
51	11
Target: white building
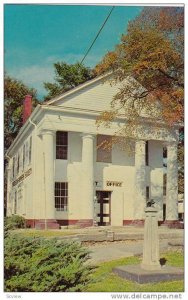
58	176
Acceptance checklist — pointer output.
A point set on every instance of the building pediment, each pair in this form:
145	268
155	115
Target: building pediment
96	94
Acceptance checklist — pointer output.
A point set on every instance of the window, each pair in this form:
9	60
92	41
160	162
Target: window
104	148
147	193
61	145
30	147
61	196
164	183
147	153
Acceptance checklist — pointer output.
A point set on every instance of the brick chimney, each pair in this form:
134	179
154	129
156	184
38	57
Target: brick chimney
27	107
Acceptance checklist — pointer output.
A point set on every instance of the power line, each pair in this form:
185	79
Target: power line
98	34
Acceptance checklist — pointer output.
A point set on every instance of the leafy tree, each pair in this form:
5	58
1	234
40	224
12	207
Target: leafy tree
67	76
40	265
14	94
150	53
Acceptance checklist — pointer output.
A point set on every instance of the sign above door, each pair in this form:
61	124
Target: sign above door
114	183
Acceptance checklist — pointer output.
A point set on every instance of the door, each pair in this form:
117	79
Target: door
103	208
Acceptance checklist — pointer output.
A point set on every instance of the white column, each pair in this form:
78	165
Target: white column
140	180
9	203
172	183
88	176
48	152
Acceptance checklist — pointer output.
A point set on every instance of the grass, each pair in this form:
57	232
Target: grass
41	233
106	281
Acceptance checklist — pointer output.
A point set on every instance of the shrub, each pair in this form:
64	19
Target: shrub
40	265
14	222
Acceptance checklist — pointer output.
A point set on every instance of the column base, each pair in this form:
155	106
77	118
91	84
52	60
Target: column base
172	224
78	223
137	223
42	224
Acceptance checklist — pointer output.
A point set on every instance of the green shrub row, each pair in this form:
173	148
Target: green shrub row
14	222
41	265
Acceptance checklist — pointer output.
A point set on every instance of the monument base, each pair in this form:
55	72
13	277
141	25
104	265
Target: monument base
137	274
150	267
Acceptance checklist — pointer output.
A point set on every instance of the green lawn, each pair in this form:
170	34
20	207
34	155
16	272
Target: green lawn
41	233
106	281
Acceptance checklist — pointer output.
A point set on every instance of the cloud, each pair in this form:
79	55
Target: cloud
35	75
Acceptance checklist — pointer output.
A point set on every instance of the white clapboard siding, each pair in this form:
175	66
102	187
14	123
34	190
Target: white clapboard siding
96	96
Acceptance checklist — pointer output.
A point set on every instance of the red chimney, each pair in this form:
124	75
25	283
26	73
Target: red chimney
27	107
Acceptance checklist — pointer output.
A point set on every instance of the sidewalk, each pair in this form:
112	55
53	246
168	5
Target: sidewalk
109	243
115	250
109	233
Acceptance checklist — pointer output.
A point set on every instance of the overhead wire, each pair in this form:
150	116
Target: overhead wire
97	34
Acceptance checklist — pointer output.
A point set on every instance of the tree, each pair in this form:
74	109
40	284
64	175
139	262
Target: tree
14	94
67	76
150	53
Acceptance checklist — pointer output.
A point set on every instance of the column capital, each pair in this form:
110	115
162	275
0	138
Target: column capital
141	141
46	132
87	136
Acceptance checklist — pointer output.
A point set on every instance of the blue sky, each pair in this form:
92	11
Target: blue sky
36	36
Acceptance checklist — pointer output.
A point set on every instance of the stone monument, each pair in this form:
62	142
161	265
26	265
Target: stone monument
150	259
150	269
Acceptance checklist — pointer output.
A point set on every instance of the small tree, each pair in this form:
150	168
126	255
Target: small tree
39	265
67	76
14	94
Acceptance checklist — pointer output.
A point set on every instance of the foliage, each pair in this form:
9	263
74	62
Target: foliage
106	281
14	94
149	63
67	76
181	168
14	222
40	265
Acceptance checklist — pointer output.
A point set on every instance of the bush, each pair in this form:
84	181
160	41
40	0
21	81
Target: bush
14	222
40	265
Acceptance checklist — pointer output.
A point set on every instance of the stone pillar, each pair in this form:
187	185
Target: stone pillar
140	180
49	201
172	183
88	178
151	241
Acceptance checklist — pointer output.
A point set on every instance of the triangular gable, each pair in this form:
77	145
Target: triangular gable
95	94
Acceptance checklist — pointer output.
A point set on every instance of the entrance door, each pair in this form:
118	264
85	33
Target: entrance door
103	207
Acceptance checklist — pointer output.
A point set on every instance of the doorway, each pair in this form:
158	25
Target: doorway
103	208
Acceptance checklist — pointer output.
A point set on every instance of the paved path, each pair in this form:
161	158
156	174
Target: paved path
116	250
